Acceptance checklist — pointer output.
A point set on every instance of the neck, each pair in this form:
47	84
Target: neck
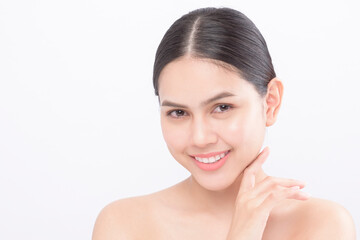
209	201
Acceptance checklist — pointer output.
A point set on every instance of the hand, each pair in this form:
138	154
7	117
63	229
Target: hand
254	202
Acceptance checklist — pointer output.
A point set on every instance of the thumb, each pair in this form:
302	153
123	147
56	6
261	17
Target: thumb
248	178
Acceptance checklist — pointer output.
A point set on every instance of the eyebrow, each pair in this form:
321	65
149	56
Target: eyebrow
206	102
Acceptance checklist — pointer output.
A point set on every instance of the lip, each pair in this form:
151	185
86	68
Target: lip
212	166
208	155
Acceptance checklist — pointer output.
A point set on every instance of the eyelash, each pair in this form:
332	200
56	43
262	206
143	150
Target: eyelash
228	106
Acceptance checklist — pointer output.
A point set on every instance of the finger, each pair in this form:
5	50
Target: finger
270	184
247	182
255	165
248	178
269	200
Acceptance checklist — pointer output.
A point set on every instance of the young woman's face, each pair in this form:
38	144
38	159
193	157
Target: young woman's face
207	109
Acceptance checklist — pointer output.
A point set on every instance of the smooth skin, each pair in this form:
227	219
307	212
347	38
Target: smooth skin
237	201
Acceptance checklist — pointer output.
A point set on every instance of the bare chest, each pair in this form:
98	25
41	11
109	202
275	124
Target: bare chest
192	227
187	227
178	222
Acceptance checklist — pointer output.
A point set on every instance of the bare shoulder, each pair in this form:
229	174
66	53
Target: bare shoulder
122	219
323	219
135	217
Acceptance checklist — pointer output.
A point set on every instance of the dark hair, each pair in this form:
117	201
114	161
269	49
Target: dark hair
220	34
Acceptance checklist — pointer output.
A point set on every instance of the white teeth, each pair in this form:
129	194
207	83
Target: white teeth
211	159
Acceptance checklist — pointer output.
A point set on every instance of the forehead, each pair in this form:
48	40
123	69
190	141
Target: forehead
194	79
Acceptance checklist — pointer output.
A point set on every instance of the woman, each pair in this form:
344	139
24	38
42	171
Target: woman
218	92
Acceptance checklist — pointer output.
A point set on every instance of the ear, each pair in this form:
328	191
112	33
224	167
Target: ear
273	100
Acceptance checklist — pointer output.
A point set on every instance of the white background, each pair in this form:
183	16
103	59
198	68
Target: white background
79	121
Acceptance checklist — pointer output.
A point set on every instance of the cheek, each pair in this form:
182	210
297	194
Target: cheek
174	136
244	131
234	131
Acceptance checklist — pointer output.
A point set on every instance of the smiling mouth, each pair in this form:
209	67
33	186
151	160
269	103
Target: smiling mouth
211	159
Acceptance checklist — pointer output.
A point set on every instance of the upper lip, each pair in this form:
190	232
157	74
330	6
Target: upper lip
208	155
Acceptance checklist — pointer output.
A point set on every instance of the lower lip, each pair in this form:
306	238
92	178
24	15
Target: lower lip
211	166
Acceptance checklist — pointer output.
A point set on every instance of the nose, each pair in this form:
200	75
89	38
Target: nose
202	133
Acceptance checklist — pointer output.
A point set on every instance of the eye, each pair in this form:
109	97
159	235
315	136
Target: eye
176	113
222	108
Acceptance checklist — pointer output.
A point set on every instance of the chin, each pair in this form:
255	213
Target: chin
214	183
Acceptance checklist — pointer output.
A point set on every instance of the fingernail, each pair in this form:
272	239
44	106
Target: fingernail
295	187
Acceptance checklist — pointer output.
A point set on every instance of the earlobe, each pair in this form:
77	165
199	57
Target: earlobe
273	100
